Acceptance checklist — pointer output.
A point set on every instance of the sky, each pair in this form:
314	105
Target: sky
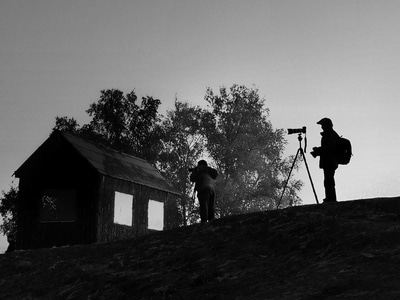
308	59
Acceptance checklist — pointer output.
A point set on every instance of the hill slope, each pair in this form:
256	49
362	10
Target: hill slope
347	250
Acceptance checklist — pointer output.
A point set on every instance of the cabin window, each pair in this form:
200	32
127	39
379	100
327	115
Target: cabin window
58	205
156	215
123	206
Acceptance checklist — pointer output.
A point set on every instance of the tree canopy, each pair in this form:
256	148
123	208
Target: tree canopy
246	149
118	122
183	145
8	210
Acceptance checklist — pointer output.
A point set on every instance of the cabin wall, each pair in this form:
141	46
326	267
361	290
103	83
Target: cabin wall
27	215
57	170
109	231
172	218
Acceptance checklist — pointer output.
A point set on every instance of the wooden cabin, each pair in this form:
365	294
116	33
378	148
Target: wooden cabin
72	191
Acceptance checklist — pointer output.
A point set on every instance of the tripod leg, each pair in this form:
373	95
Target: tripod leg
309	175
287	181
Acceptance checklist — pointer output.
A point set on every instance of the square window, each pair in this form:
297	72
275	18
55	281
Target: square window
123	204
156	215
58	205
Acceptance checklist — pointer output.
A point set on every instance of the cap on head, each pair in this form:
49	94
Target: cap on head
325	122
202	163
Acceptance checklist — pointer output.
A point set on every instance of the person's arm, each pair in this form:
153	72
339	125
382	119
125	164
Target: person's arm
316	151
192	176
195	174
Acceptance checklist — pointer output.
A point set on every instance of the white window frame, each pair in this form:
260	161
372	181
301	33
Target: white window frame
123	208
155	215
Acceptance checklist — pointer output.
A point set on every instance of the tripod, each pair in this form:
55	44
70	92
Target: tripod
301	151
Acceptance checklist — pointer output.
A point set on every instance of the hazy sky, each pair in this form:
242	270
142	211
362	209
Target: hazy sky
309	59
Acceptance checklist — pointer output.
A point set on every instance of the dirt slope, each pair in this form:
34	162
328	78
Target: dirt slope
346	250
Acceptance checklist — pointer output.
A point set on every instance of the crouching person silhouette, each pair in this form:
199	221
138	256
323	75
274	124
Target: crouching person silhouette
204	178
328	160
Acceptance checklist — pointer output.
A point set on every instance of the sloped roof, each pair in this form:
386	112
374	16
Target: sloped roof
117	164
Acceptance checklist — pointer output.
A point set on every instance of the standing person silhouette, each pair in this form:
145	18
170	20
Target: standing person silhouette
204	177
328	160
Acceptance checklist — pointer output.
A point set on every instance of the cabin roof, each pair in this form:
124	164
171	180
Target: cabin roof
115	164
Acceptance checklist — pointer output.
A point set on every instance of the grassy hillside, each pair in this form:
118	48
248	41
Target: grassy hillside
345	250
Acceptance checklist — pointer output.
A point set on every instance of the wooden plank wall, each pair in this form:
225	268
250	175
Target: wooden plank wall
108	231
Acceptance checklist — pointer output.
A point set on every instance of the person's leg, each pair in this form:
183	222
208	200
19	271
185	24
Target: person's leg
329	184
211	200
203	201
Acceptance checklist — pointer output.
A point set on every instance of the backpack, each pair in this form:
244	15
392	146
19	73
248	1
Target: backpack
343	151
212	172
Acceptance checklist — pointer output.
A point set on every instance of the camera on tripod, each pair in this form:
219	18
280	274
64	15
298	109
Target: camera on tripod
297	130
301	152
